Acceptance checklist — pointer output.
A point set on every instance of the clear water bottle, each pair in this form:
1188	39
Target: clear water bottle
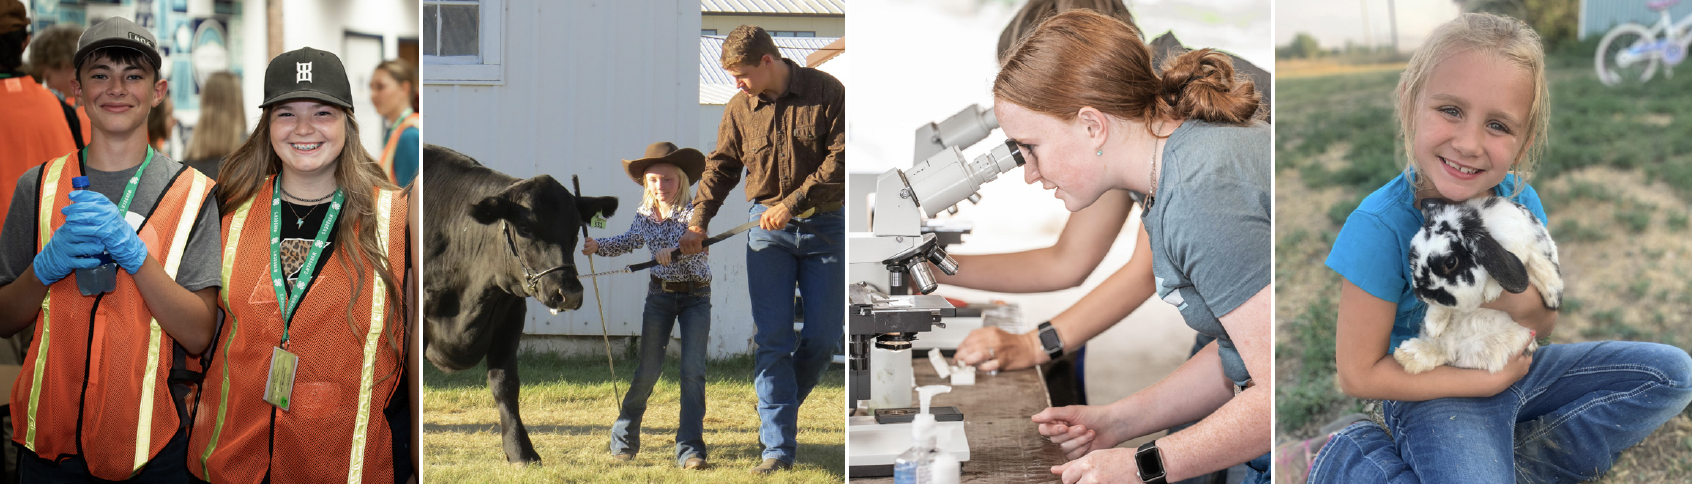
99	279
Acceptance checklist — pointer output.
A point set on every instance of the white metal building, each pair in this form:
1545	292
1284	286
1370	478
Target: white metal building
572	88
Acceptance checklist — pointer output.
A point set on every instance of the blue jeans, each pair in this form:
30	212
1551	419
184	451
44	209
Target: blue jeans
787	368
663	311
1578	407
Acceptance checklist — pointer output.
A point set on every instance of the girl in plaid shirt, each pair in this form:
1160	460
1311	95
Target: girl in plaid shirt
680	292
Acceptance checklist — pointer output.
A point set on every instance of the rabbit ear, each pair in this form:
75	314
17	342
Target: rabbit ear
1504	266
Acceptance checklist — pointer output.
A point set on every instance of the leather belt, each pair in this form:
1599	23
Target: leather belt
821	207
680	286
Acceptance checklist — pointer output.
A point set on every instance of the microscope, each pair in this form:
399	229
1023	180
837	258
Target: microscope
889	300
897	252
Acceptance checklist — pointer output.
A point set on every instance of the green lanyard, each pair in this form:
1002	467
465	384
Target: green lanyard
134	181
396	125
293	301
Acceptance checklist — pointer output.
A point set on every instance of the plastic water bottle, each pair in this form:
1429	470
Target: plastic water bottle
99	279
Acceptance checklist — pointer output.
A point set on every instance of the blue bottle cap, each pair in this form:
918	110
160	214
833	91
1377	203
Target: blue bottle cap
79	183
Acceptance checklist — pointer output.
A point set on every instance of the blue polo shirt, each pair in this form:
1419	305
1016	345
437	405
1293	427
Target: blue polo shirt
1373	249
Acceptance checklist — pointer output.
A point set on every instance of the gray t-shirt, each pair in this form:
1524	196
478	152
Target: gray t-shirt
1209	227
201	259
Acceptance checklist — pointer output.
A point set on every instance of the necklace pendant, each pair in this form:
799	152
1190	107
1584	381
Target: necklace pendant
299	223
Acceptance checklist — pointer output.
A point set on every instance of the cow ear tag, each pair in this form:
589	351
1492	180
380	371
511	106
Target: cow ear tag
598	221
279	387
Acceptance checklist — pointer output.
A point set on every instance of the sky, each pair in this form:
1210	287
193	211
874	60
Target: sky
1333	22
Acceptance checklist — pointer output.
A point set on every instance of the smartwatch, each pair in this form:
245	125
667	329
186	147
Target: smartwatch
1049	340
1149	460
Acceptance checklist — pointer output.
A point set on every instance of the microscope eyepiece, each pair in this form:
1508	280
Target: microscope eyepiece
1015	151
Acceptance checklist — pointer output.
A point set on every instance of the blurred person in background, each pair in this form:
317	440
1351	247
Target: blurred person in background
393	89
32	121
27	135
161	122
50	58
222	126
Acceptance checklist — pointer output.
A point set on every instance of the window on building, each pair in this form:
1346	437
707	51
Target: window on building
793	33
707	31
461	41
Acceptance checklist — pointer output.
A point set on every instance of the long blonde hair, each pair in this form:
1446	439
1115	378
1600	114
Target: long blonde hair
247	170
649	200
223	120
1505	37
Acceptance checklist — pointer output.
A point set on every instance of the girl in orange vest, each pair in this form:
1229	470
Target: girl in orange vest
309	380
393	89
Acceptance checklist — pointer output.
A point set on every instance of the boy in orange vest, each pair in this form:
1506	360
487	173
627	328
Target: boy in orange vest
75	409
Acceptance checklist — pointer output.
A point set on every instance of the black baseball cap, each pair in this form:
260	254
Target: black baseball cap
307	73
118	32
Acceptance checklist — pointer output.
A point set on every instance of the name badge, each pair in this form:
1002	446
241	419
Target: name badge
279	386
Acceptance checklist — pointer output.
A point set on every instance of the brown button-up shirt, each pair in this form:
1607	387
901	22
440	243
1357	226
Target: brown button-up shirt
793	148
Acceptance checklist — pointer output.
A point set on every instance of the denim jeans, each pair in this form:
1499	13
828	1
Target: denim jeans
787	368
169	466
663	311
1578	407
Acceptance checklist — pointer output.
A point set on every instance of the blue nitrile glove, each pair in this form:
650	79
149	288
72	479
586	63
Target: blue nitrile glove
66	252
95	216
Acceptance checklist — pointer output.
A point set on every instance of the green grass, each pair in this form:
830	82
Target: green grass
1309	392
1630	126
569	404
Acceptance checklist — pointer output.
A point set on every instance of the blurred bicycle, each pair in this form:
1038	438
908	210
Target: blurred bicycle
1633	51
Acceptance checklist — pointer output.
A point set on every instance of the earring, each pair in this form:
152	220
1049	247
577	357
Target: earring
1100	153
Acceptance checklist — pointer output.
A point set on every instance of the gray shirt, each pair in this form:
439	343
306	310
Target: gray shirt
1209	227
201	259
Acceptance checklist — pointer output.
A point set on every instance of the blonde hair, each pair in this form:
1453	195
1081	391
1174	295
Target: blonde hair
649	200
247	170
223	119
1081	58
1505	37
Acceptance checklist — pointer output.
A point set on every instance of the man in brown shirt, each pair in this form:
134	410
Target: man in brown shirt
787	128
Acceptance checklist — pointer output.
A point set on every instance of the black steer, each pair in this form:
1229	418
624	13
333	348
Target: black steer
492	241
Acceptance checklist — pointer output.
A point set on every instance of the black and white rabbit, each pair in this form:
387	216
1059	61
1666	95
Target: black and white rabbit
1467	254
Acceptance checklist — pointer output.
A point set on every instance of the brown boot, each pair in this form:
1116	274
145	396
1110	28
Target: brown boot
771	466
624	457
695	464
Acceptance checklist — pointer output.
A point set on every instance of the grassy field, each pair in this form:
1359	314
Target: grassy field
1616	181
569	405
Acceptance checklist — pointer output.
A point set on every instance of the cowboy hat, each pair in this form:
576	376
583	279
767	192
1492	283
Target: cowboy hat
691	161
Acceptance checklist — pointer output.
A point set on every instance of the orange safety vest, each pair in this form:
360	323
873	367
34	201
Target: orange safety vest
101	389
412	121
334	428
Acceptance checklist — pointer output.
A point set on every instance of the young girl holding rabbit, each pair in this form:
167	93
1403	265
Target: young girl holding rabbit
680	292
1474	109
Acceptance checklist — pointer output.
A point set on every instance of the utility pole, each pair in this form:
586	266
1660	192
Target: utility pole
1392	17
1368	36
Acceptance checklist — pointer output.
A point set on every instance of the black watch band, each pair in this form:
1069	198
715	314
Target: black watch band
1049	340
1148	462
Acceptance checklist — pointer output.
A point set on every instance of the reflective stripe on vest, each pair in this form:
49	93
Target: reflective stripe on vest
49	189
173	261
91	394
230	244
378	306
392	146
